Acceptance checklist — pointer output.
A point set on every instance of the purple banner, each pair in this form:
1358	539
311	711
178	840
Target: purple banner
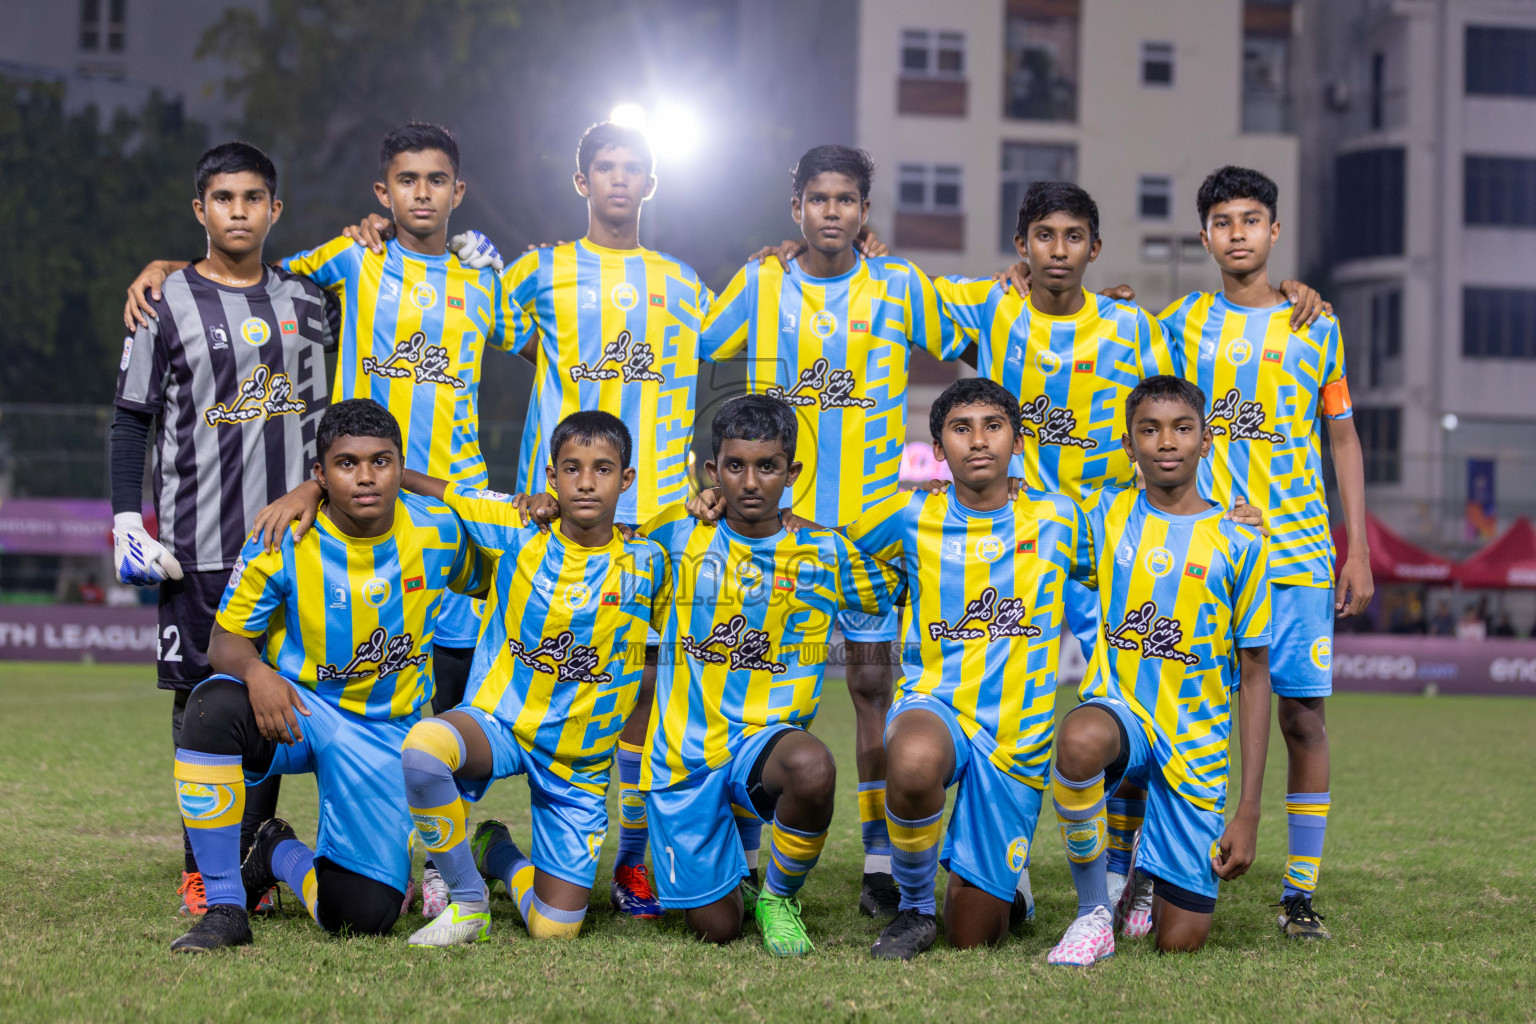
1409	664
70	632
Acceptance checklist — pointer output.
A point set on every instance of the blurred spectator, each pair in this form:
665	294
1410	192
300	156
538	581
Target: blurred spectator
1503	627
91	592
1471	626
1408	616
1444	623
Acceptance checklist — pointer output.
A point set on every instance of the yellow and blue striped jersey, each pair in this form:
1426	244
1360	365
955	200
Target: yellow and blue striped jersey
746	638
1267	390
352	618
619	331
1070	374
1178	595
413	330
562	647
837	349
983	618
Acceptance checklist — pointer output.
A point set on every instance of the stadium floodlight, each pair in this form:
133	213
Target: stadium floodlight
672	130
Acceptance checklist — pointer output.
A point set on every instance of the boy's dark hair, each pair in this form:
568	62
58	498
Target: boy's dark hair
755	418
414	138
235	158
1044	198
973	391
855	163
1164	388
588	426
609	133
1236	183
355	417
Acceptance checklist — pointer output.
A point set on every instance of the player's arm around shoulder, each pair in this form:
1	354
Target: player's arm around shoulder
330	264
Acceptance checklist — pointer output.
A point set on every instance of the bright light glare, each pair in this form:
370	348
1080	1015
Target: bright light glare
630	115
672	131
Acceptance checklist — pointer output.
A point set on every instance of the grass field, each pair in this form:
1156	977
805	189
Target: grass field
1429	884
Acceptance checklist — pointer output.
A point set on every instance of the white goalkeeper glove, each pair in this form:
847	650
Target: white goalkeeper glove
475	251
141	560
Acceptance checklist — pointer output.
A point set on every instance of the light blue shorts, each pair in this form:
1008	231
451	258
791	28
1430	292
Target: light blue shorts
864	628
365	823
1178	838
1301	652
992	825
695	847
458	620
569	822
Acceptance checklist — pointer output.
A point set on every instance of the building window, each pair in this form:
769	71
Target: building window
929	54
1501	61
1498	323
101	25
1025	163
1154	197
1369	197
931	188
1386	336
1040	51
1156	63
1380	431
1500	190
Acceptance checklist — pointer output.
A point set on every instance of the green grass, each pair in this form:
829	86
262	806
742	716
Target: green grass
1429	884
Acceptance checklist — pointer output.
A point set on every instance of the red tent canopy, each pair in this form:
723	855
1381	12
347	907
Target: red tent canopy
1394	560
1509	561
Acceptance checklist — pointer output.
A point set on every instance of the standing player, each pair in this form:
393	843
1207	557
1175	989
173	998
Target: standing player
348	613
746	644
415	323
831	334
987	579
555	677
1270	386
1184	603
228	377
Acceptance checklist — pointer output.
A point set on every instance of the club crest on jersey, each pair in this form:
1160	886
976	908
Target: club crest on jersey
263	394
127	353
436	830
430	363
424	295
1245	420
1160	635
624	296
204	801
1239	351
1054	426
823	323
380	654
1158	562
1322	652
749	649
1047	362
749	574
569	662
1018	853
629	358
576	595
989	549
1002	618
376	592
255	331
820	383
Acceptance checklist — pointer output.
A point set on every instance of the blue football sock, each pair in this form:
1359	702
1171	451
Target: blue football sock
1124	818
210	789
915	858
294	864
633	827
432	752
1307	825
1084	829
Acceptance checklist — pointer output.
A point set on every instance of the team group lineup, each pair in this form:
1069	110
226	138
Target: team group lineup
331	560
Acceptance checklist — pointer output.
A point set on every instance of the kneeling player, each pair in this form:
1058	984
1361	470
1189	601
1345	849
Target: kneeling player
348	612
1184	605
986	577
554	677
743	656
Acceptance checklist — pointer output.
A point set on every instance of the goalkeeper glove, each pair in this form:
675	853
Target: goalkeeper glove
141	560
475	251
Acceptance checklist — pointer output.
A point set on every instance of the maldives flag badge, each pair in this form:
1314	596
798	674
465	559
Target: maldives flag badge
455	303
414	583
611	597
1083	366
289	326
658	300
1194	571
784	583
1024	547
1273	356
858	325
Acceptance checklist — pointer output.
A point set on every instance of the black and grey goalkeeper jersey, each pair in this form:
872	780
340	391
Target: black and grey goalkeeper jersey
235	378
